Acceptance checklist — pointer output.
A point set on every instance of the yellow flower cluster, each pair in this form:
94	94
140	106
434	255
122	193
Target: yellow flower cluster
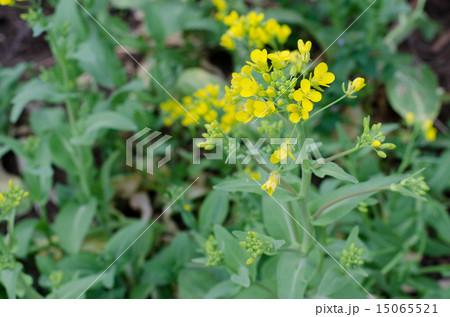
428	130
11	199
221	7
275	88
204	105
252	30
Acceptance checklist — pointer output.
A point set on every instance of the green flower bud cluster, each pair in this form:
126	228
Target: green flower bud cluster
255	246
214	255
280	88
412	186
56	277
11	199
352	258
31	145
213	133
373	137
6	263
363	207
270	129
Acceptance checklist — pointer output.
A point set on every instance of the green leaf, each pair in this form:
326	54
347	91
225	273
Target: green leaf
96	57
47	119
276	221
332	281
414	89
333	170
338	210
294	271
75	288
72	223
8	278
224	289
242	277
122	239
195	283
23	232
213	210
103	120
35	89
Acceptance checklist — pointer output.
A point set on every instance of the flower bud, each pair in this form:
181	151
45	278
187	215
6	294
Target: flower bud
381	154
267	78
388	146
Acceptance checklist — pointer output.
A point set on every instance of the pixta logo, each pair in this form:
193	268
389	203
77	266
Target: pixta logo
143	146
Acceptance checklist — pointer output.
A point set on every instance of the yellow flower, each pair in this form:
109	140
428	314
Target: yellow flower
283	33
7	2
306	96
232	18
304	49
353	86
321	76
187	207
220	5
279	58
297	113
282	153
254	175
429	130
249	87
227	42
246	114
262	109
259	59
255	18
409	118
1	197
358	84
272	183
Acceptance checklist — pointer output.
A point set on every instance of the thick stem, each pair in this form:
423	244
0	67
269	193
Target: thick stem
304	189
294	225
336	200
304	213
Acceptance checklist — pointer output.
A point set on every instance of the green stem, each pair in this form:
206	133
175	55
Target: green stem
294	226
409	148
339	155
336	200
70	106
308	228
327	106
304	213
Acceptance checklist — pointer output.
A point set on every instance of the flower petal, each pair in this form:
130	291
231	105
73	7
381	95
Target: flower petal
298	95
307	105
320	69
305	85
294	117
314	96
